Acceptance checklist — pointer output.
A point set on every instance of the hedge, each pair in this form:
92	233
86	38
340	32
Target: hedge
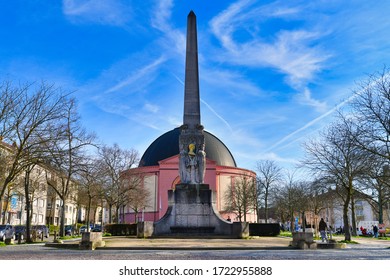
121	229
264	229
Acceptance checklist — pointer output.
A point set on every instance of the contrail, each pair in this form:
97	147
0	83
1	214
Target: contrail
309	124
218	116
208	106
136	76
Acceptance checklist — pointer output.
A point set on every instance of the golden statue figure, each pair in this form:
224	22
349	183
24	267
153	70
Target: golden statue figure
191	148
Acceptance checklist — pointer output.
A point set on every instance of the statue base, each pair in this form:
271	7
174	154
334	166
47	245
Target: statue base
192	212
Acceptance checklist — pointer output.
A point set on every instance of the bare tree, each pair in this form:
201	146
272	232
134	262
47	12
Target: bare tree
239	198
138	197
113	161
91	186
65	156
371	131
268	178
319	198
291	200
337	158
376	185
27	115
371	114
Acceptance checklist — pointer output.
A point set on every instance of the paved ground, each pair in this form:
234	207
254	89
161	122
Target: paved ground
262	248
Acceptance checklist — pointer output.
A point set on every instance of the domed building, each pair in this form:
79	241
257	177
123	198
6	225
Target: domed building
159	170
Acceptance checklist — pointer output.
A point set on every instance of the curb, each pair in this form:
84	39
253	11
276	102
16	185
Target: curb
194	248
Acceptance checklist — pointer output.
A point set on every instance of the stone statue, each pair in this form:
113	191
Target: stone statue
182	164
201	158
192	164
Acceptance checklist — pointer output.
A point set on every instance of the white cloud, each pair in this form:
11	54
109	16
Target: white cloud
110	12
161	15
292	52
305	98
160	20
152	108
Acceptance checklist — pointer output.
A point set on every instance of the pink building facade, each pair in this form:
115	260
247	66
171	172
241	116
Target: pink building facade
158	179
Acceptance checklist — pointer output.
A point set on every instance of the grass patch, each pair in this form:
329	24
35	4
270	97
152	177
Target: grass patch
348	242
384	238
2	244
107	234
67	237
285	234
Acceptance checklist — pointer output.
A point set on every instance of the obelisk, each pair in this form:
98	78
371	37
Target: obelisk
192	162
191	116
192	209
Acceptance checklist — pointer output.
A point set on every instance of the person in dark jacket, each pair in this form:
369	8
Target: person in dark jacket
322	228
375	230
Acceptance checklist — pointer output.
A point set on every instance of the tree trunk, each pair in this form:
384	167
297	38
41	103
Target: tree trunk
353	216
1	211
117	214
110	213
88	212
347	232
62	220
5	212
123	214
266	205
28	205
292	222
95	215
380	206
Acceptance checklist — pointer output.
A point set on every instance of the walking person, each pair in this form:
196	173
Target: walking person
375	230
322	227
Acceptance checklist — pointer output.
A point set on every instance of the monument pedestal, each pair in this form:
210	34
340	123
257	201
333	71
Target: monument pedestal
191	212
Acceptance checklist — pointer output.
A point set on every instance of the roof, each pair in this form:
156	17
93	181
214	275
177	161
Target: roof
167	145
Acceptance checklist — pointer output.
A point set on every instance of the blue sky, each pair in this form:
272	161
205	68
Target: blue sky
271	72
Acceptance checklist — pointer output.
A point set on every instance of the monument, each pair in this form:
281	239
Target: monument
192	204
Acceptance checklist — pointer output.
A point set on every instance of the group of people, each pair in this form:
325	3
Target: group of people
374	231
323	227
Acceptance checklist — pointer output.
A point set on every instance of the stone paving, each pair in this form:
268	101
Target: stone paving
261	248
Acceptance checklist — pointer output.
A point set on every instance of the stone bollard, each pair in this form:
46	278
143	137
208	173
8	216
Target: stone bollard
91	240
34	235
241	229
55	240
303	240
9	240
145	229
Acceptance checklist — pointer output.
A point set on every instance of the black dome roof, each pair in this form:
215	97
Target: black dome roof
167	145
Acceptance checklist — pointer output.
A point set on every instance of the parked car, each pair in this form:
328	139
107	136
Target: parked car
6	230
97	228
20	231
84	228
69	230
41	229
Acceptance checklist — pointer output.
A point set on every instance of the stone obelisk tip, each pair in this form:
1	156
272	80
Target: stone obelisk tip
191	116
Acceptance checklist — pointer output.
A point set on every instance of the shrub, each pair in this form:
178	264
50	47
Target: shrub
121	229
53	228
264	229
